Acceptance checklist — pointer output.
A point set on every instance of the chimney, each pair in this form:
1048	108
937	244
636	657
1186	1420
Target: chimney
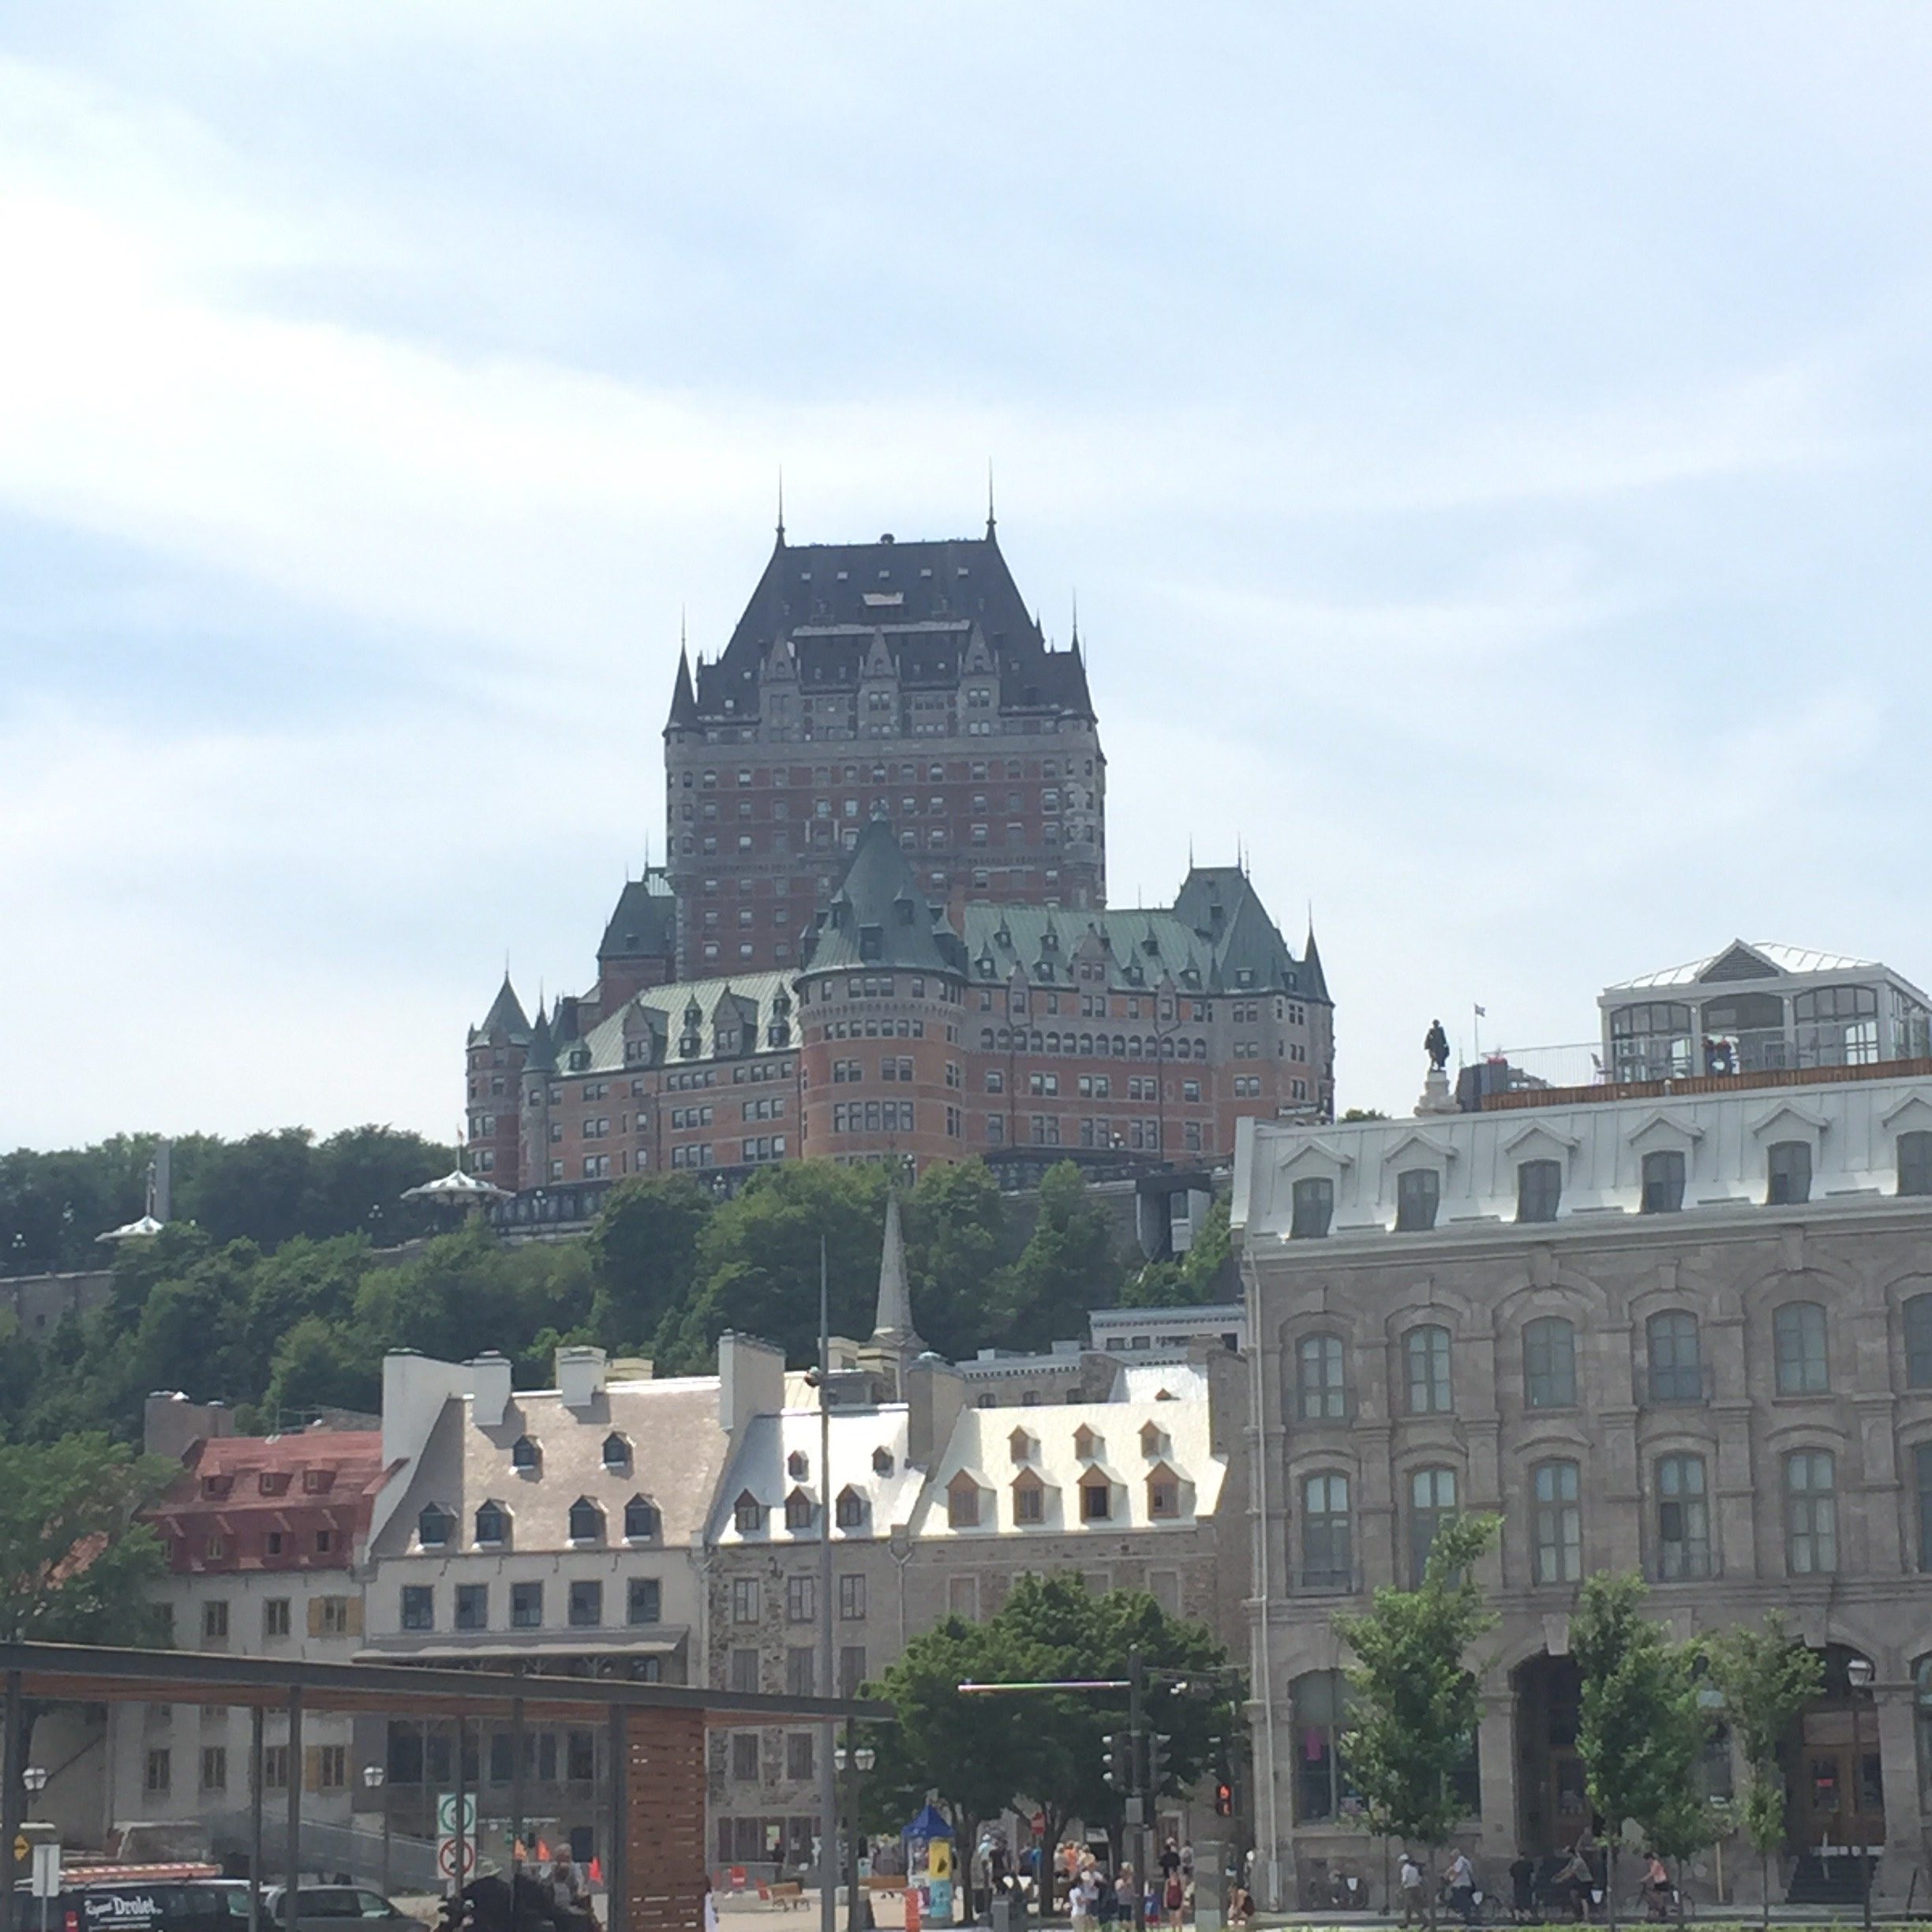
750	1379
935	1393
171	1424
580	1376
489	1388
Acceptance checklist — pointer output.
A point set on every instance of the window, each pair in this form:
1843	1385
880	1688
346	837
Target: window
962	1502
642	1524
1322	1397
433	1526
1788	1170
801	1677
1914	1163
275	1767
1676	1362
801	1760
852	1669
525	1606
1539	1189
525	1455
493	1523
331	1766
1029	1500
1314	1208
159	1771
744	1600
1327	1560
616	1453
1426	1350
215	1621
214	1768
1418	1192
748	1514
1557	1541
851	1597
745	1757
1549	1363
275	1617
1321	1788
1664	1182
848	1510
801	1512
1811	1513
472	1606
744	1669
586	1522
801	1599
643	1600
1432	1504
1682	1519
586	1604
1096	1495
1798	1338
418	1606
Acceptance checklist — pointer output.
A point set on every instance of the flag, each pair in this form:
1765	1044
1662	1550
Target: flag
1482	1012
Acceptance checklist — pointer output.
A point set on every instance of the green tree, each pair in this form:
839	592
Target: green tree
1067	1266
956	1235
1414	1705
643	1255
1766	1678
1641	1728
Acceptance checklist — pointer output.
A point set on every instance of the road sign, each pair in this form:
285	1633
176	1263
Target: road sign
446	1814
47	1870
446	1857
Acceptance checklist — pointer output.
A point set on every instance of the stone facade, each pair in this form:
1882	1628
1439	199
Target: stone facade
1688	1333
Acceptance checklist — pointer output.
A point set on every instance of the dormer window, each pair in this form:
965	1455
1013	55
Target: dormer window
271	1482
963	1502
801	1511
433	1527
1086	1444
797	1466
850	1510
616	1452
881	1462
586	1521
493	1526
525	1456
1153	1441
1096	1495
1163	1491
748	1515
1022	1446
642	1524
315	1482
215	1485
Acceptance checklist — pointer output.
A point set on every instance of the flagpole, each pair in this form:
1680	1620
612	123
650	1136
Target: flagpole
1476	1031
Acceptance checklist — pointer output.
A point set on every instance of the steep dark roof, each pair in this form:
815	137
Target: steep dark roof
683	705
1314	981
879	917
542	1059
926	600
506	1012
644	924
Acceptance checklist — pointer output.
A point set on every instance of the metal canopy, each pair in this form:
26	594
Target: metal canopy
87	1673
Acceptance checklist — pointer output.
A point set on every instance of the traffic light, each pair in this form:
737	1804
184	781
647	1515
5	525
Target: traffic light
1158	1742
1224	1799
1112	1768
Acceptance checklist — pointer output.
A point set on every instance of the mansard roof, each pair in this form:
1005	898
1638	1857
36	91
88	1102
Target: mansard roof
644	924
878	916
926	605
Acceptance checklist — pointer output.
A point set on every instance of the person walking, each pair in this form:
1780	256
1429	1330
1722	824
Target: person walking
1460	1880
1414	1905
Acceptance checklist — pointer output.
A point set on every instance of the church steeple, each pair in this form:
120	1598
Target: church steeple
895	1343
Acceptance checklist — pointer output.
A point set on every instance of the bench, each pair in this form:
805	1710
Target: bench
789	1894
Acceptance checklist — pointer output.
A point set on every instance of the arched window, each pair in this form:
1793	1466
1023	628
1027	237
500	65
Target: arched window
1556	1539
433	1526
493	1523
1918	1341
1670	1340
525	1455
586	1521
1327	1561
1426	1350
1539	1189
1321	1701
1682	1519
642	1521
1549	1362
1322	1396
1798	1340
616	1452
1810	1512
1432	1503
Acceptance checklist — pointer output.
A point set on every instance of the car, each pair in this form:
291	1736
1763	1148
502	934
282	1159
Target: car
333	1908
136	1904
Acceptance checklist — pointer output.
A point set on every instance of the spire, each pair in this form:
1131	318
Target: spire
1075	623
1311	980
506	1011
989	522
781	506
683	701
893	1328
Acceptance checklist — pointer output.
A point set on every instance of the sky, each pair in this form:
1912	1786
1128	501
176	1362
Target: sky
1488	446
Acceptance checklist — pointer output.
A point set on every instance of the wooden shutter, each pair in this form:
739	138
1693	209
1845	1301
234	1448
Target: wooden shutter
315	1616
312	1767
352	1622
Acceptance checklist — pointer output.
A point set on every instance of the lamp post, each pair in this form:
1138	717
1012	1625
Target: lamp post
375	1778
858	1909
35	1778
1860	1673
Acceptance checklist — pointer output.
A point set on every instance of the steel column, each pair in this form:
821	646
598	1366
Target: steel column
615	1876
257	1722
295	1774
12	1790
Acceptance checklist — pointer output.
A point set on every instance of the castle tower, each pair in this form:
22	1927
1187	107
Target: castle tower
895	1342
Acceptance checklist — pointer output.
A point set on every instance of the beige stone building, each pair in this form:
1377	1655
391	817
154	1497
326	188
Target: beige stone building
1683	1326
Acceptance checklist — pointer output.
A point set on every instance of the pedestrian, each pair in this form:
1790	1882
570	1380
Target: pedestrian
1574	1877
1657	1887
710	1907
1523	1888
1414	1906
1460	1882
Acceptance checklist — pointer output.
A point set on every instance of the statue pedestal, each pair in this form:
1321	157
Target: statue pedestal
1436	1097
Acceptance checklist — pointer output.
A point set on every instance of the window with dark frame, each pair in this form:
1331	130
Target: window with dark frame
1682	1519
1788	1166
1539	1189
1327	1555
1664	1180
1418	1194
1673	1346
1549	1362
1425	1350
1314	1208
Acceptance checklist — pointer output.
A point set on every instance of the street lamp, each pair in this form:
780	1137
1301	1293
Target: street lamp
1860	1673
376	1777
858	1911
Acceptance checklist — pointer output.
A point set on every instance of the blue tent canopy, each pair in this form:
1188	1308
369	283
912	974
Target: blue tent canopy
931	1823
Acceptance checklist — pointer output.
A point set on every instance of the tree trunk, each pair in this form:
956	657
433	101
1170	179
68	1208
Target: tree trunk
1763	1873
1610	1893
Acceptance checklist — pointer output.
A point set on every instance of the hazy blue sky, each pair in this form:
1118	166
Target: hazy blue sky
1488	443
